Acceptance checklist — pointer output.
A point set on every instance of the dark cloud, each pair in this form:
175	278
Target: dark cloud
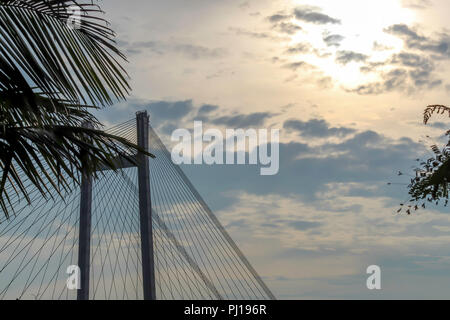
427	84
411	72
421	73
287	27
170	110
167	128
316	128
162	113
281	24
311	16
345	57
242	120
165	116
333	40
306	171
392	80
402	30
412	60
380	47
373	66
413	40
297	65
278	17
302	47
207	108
439	125
305	14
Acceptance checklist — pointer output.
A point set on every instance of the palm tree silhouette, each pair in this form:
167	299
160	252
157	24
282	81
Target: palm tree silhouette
58	62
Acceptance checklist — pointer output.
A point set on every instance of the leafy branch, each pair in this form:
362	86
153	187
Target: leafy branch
431	184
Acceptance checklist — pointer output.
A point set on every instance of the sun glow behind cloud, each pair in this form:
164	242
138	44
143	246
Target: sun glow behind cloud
362	25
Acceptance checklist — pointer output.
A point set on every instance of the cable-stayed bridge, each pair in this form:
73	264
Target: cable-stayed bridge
143	232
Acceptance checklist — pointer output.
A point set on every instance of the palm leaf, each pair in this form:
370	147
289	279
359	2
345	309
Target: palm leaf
53	156
51	77
39	49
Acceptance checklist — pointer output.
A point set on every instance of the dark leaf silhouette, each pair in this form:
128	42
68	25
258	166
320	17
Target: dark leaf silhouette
52	75
431	183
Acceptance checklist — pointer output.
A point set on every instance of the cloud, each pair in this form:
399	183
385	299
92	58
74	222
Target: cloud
171	114
207	108
305	14
325	83
242	120
402	30
335	254
408	71
345	57
160	111
165	110
412	60
252	34
439	125
373	66
199	52
280	22
333	40
297	65
302	47
278	17
366	158
417	4
311	16
331	200
380	47
244	5
305	169
392	80
413	40
287	27
187	50
316	128
304	225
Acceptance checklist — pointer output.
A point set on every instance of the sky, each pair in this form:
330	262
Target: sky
346	82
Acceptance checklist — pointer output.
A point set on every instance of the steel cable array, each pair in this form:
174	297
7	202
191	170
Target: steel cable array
195	258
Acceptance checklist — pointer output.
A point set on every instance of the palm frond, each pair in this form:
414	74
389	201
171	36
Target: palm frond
51	76
53	157
40	52
432	109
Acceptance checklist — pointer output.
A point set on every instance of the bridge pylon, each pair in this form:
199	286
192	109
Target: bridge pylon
145	217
